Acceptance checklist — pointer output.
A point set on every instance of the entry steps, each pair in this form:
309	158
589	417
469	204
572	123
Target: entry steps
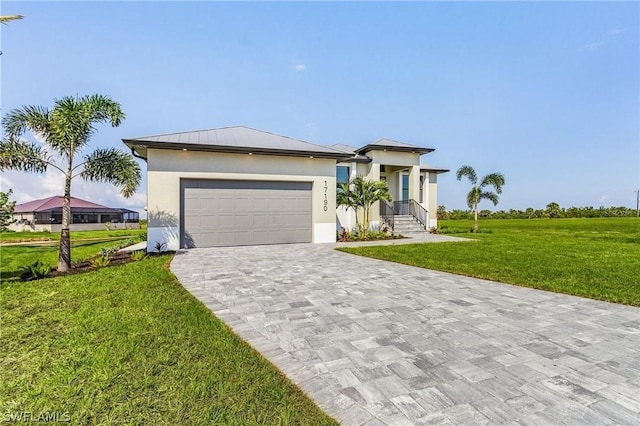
407	224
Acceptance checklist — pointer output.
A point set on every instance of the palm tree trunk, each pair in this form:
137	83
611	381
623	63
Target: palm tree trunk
365	221
64	254
475	218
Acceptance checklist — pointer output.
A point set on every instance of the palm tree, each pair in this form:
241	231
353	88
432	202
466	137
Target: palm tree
361	193
553	210
477	193
345	198
66	130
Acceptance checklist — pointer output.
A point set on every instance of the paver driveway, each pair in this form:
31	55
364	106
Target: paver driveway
374	342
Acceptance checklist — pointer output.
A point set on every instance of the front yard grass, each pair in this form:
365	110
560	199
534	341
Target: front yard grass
595	258
12	258
128	345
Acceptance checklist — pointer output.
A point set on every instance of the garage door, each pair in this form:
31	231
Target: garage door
232	213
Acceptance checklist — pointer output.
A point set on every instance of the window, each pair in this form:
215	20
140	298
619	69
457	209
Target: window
342	174
405	187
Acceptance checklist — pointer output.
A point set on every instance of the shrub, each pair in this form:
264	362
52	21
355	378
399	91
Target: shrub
138	255
36	270
100	261
433	230
107	226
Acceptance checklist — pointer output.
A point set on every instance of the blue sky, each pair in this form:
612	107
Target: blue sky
546	93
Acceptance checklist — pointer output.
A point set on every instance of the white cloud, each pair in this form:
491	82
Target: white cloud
592	46
300	67
603	199
616	31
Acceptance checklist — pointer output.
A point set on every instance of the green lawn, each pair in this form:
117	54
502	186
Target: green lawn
595	258
128	345
10	237
12	258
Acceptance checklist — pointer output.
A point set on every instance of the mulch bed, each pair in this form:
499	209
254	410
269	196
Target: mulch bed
115	259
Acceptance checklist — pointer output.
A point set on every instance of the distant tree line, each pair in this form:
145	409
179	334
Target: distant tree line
552	211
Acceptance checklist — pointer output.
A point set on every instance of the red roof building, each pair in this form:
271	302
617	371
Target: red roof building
49	211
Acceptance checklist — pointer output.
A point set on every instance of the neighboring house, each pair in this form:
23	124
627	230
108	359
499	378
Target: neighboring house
46	215
242	186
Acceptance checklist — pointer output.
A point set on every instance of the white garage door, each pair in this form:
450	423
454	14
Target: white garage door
233	213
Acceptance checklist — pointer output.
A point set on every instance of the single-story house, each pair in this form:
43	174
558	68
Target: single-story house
241	186
46	215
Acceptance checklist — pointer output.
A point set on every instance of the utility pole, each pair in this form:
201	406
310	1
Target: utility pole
637	191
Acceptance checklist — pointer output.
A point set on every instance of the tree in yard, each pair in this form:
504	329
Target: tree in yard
477	192
344	198
6	210
66	130
361	193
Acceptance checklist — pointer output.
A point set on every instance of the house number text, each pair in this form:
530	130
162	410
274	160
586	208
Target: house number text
326	201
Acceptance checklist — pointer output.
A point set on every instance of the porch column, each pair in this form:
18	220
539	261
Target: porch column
374	212
425	191
414	183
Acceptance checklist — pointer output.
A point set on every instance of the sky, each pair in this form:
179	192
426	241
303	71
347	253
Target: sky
546	93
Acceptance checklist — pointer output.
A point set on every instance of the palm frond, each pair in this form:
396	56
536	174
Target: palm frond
494	179
114	166
23	156
7	18
35	118
468	172
473	197
486	195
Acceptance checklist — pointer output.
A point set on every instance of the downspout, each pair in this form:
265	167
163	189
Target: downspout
133	152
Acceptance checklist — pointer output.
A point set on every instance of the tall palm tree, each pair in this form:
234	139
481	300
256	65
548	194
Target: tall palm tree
477	192
66	130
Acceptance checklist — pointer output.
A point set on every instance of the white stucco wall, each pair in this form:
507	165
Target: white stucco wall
165	168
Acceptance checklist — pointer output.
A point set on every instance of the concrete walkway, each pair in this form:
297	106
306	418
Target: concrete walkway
378	343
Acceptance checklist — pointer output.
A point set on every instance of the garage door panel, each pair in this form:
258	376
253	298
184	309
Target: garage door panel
227	213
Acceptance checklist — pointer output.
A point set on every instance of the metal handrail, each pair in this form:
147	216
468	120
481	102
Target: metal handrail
420	213
386	214
401	207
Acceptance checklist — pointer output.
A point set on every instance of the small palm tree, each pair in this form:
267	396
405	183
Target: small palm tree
361	193
345	198
477	193
66	130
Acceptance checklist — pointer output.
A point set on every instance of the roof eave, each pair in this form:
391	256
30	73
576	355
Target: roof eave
434	170
131	143
373	147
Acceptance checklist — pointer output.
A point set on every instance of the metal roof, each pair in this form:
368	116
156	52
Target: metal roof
235	139
55	202
391	145
342	147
